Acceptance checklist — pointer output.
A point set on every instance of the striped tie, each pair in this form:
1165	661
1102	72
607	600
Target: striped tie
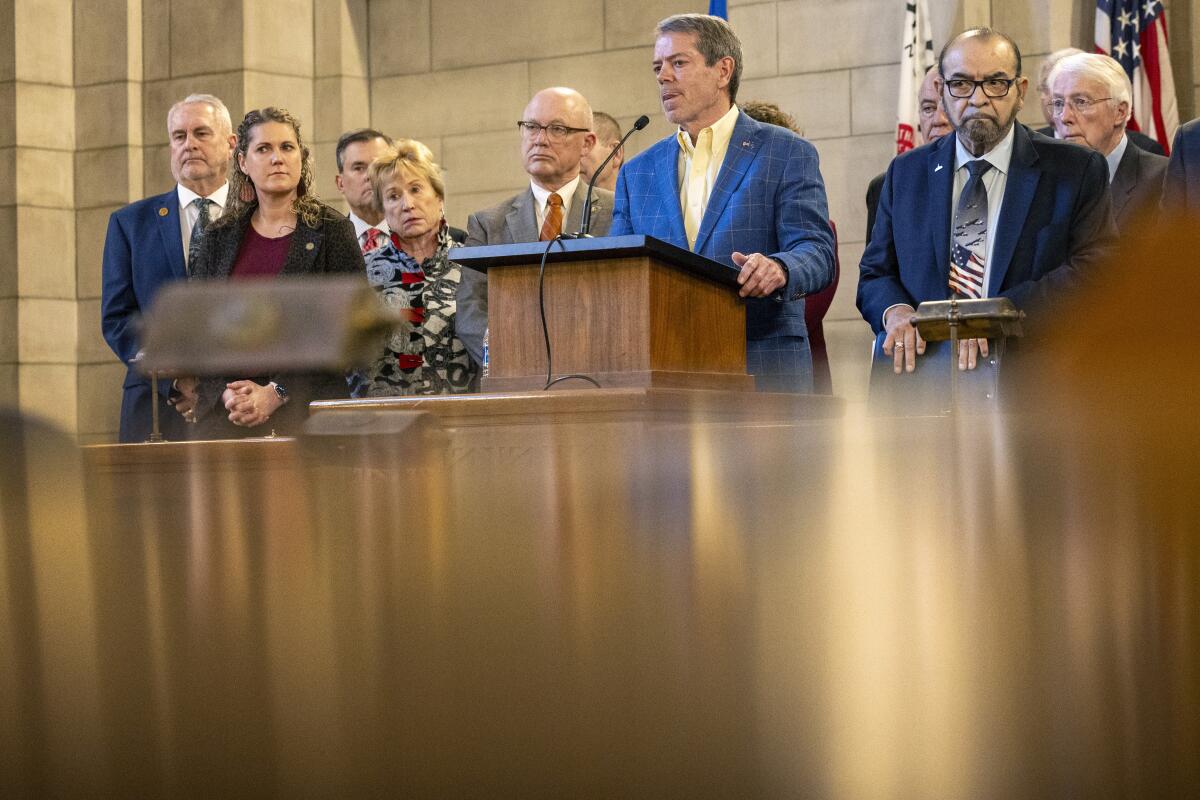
552	227
970	234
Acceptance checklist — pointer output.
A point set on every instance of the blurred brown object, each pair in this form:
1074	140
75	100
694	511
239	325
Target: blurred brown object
261	327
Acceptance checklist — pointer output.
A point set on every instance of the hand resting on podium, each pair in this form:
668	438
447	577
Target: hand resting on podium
904	343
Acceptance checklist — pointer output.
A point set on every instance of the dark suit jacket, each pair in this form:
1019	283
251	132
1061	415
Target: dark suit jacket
874	188
326	249
142	251
1181	189
1138	138
511	222
1137	185
769	198
1055	226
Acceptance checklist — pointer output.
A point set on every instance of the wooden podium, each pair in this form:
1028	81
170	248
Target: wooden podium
628	311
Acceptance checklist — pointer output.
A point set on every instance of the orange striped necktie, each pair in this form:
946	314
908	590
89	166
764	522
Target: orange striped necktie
553	225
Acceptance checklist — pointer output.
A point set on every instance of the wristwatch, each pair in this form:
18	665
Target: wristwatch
281	392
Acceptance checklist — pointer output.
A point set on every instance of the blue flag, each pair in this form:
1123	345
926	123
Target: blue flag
717	9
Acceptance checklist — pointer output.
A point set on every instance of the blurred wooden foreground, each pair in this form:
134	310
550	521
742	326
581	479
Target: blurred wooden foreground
847	606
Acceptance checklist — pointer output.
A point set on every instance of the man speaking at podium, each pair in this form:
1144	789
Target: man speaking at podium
734	190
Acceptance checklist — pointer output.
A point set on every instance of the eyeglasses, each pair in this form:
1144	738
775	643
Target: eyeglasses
1082	105
992	87
554	131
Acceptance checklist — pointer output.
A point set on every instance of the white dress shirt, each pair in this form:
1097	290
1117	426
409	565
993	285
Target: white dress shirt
540	195
188	213
361	227
1114	158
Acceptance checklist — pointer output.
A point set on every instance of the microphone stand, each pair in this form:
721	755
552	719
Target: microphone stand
586	225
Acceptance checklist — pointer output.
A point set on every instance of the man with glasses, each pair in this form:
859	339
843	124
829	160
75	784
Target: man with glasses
1091	101
992	211
556	133
932	124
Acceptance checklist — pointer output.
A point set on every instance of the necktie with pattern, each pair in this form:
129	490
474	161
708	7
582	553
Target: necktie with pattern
970	234
202	220
553	225
372	239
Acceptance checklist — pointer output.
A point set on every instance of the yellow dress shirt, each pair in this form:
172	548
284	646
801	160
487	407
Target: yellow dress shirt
699	164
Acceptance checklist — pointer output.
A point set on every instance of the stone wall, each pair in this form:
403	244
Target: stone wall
85	87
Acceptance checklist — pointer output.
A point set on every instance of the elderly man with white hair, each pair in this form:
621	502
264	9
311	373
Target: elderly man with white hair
1092	102
151	242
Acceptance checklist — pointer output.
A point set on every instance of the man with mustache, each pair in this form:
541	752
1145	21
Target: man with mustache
993	211
150	243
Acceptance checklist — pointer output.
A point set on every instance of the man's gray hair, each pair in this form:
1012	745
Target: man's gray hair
1048	64
715	40
1105	69
213	102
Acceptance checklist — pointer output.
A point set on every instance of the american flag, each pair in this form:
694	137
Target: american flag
1134	32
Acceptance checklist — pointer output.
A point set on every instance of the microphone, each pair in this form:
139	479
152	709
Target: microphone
641	122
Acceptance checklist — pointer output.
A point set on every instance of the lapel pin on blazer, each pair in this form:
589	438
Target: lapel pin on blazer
938	168
162	212
309	246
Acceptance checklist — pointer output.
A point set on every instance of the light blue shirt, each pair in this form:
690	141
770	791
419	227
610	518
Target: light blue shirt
1114	158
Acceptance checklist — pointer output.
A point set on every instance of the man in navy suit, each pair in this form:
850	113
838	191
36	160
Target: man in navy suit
148	243
734	190
1181	189
1049	214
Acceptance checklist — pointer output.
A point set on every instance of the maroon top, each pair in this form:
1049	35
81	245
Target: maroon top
260	257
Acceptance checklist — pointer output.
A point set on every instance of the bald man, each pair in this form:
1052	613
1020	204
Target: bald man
933	125
556	133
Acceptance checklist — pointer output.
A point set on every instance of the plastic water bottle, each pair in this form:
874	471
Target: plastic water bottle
486	331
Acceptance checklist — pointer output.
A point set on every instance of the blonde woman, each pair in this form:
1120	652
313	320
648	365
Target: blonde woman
412	272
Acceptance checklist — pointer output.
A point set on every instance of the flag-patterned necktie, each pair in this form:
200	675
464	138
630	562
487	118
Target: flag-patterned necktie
970	234
553	225
202	220
373	239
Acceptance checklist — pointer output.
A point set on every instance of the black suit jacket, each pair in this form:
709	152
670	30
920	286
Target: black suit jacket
327	248
1137	185
1181	188
873	190
1055	227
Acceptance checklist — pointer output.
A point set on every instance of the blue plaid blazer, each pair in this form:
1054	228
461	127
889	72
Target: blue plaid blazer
769	198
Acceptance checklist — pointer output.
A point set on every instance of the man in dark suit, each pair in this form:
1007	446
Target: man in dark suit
149	243
932	124
735	190
556	132
1181	189
1091	104
1046	98
993	210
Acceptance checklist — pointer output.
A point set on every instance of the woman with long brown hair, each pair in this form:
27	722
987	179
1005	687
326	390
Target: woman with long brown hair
273	227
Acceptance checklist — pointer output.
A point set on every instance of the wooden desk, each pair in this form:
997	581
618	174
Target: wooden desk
696	610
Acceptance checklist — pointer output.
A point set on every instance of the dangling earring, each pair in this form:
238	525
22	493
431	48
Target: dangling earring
247	195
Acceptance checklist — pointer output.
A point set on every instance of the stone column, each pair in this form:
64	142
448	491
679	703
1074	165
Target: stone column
108	174
341	85
37	197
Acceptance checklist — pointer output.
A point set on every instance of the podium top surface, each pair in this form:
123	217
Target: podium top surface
486	257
